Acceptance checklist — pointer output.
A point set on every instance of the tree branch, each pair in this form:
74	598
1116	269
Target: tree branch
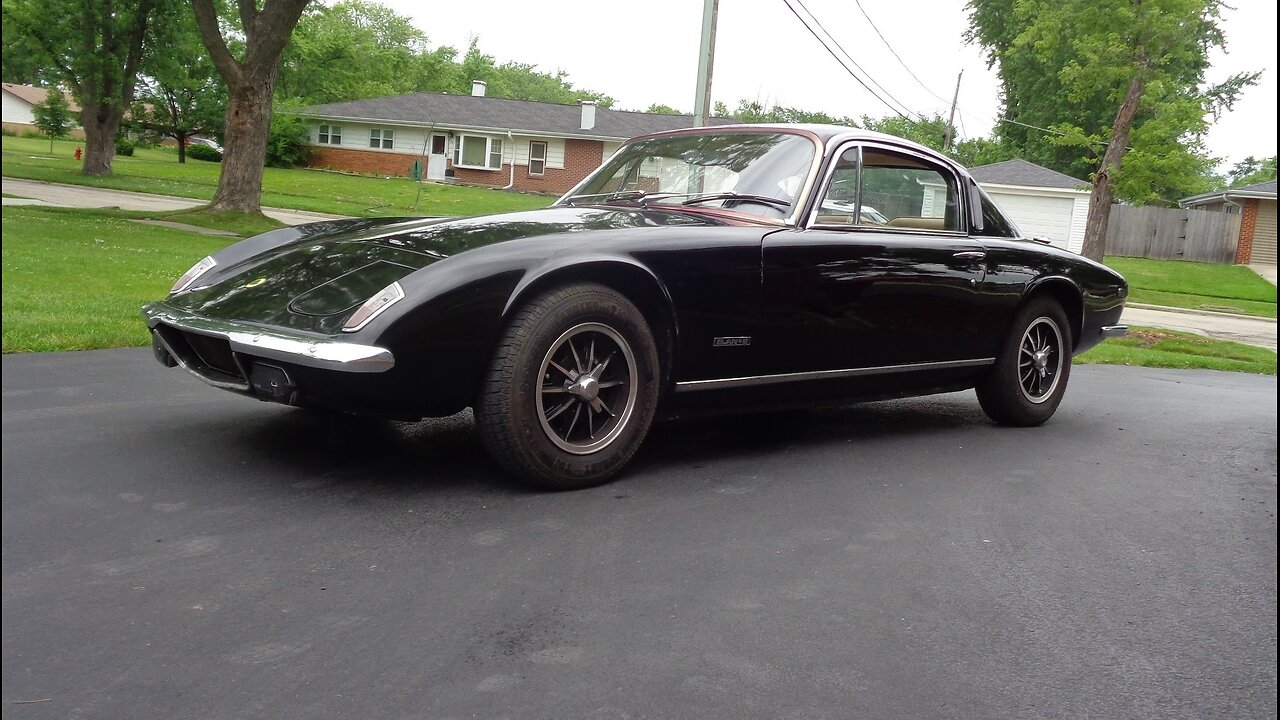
211	36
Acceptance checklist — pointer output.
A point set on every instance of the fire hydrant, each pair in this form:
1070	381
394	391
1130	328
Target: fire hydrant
77	153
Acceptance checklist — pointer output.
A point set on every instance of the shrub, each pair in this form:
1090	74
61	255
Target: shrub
203	152
9	133
125	146
287	144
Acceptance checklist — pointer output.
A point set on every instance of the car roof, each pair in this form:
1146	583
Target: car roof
826	134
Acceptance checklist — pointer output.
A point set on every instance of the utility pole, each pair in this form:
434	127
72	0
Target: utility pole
706	54
946	138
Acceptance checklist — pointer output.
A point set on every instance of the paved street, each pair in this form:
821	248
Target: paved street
172	551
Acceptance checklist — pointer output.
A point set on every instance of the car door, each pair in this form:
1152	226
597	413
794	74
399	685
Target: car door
882	274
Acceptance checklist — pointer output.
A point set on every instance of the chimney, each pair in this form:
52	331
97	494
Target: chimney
588	114
477	88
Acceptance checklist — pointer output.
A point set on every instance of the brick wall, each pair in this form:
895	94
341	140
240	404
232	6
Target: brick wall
1248	222
580	158
364	161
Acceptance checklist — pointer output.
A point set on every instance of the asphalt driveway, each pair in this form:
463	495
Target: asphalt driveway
171	551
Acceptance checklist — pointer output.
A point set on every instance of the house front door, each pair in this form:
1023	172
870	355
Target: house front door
436	158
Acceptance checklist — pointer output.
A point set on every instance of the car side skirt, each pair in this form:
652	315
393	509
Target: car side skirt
758	380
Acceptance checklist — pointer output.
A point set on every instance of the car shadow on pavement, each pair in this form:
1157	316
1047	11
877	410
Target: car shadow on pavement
291	446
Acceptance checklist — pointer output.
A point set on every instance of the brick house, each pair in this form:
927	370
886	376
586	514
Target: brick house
1256	205
519	144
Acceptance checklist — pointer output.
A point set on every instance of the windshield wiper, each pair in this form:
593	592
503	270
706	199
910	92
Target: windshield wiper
632	195
730	195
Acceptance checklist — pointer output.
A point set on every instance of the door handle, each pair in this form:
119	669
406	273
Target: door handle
969	255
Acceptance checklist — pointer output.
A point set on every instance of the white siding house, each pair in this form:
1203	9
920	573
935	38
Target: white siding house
1043	203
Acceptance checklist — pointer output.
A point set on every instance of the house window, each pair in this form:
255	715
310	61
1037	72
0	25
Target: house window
537	158
437	144
384	139
478	151
330	135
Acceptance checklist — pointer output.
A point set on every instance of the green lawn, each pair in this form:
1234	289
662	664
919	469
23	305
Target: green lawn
1155	347
75	280
156	170
1198	286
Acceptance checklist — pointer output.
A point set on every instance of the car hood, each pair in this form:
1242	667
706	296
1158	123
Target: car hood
310	277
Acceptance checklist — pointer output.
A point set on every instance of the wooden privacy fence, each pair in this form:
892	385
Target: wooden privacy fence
1173	234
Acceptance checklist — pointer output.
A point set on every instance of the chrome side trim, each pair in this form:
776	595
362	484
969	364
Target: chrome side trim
296	348
754	380
1110	331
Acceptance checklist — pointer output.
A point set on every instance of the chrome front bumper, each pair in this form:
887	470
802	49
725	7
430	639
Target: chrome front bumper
275	344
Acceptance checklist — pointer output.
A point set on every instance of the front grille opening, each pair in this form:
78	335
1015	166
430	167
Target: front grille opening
208	357
215	352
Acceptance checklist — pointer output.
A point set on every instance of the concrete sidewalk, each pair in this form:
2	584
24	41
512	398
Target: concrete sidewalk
35	192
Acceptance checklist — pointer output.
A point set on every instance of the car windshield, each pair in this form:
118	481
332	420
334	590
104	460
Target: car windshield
756	173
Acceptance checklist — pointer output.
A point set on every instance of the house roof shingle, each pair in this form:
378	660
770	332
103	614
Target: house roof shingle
1262	187
502	114
33	95
1027	174
1263	191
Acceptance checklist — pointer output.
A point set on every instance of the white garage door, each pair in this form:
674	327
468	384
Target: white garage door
1039	216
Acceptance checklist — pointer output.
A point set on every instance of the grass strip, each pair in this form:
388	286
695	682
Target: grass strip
1156	347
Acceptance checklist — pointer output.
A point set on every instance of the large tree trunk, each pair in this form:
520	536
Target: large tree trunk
1104	192
101	128
249	85
248	127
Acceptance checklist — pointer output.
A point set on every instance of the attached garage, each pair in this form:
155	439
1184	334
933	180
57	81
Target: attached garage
1043	203
1256	205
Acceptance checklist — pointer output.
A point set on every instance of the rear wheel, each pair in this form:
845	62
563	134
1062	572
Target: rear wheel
572	388
1030	375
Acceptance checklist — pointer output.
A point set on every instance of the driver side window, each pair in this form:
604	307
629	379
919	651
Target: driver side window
890	189
908	192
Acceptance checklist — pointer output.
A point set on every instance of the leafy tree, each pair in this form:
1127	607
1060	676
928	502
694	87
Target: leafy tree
180	94
96	48
350	51
659	109
23	61
53	116
981	151
1110	88
519	81
930	132
1251	171
754	111
250	81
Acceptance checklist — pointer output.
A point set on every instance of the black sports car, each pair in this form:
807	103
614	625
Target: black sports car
728	266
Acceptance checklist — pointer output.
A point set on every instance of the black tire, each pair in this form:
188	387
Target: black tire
577	348
1030	375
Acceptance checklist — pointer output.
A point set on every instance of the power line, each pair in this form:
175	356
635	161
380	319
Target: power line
850	57
895	52
886	103
842	62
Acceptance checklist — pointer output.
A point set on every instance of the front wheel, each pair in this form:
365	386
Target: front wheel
1030	375
572	388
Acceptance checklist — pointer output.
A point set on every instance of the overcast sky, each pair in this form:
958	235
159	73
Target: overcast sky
646	52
